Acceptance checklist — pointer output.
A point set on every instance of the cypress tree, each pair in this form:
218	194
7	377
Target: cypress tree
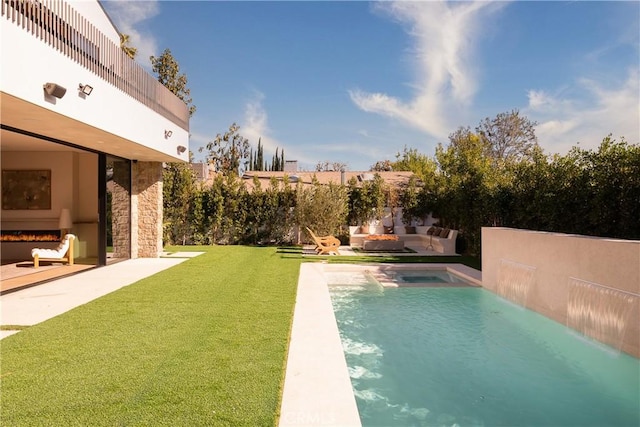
259	157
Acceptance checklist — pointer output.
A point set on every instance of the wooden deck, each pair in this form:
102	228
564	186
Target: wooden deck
22	274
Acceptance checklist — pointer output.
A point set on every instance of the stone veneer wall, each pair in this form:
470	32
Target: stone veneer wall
568	277
146	203
120	209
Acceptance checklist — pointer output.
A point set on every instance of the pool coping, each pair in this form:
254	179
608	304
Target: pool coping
317	386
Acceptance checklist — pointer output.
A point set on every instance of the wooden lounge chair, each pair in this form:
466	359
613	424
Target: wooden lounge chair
325	244
63	253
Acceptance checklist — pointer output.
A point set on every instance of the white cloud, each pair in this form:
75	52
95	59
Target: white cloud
443	35
255	125
128	17
564	122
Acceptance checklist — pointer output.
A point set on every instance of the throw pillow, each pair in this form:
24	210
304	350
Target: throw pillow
445	232
388	230
436	231
431	230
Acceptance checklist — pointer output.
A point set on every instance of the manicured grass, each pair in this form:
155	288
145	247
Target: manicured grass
201	344
295	252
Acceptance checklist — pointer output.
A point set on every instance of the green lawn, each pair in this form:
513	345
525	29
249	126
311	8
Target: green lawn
201	344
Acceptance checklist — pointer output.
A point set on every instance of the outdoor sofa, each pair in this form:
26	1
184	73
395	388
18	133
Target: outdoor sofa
443	242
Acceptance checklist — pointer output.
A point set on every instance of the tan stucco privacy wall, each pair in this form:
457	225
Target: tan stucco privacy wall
579	281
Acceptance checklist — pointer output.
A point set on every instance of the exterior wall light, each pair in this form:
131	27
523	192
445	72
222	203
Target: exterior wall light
86	89
167	134
54	90
181	149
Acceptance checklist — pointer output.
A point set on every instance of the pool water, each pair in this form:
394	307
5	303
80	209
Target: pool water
461	356
426	277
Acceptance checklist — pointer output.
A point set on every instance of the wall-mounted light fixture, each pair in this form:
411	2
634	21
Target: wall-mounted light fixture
86	89
181	149
54	90
167	134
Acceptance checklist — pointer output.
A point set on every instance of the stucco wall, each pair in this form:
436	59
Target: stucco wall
550	273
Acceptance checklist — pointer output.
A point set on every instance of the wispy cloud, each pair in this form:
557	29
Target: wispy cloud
129	17
564	122
443	40
255	126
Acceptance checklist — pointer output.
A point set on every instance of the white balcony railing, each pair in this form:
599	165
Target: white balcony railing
57	24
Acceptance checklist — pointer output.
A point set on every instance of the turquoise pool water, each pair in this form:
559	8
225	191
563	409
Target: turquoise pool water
426	276
452	356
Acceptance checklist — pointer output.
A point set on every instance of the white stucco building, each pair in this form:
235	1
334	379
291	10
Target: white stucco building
83	128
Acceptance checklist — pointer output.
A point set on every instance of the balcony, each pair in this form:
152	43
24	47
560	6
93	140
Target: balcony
56	24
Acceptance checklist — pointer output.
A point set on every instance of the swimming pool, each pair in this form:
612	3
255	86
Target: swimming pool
463	356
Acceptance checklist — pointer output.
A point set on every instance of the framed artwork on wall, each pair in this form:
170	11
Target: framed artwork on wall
26	189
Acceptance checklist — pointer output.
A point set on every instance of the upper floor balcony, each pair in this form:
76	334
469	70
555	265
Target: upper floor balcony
57	24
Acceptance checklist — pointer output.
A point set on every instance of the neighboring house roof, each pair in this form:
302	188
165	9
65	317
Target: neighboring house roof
397	179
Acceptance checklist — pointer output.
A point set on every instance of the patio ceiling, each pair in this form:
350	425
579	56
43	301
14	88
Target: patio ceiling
19	114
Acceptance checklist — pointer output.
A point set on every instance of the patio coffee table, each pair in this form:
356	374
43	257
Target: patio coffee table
383	242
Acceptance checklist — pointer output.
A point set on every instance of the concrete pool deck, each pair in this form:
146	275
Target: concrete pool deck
317	387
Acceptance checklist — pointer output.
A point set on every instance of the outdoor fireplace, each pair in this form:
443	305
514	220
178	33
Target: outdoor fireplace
30	236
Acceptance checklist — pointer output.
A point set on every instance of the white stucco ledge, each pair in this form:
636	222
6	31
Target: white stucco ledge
317	387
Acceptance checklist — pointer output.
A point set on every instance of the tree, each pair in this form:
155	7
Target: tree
178	178
229	153
326	166
178	189
410	201
323	208
420	164
465	185
277	163
366	201
382	166
168	72
256	162
509	136
130	51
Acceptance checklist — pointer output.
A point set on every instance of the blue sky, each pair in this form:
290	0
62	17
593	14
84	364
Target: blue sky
355	82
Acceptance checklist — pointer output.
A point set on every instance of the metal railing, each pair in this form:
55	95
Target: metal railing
57	24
